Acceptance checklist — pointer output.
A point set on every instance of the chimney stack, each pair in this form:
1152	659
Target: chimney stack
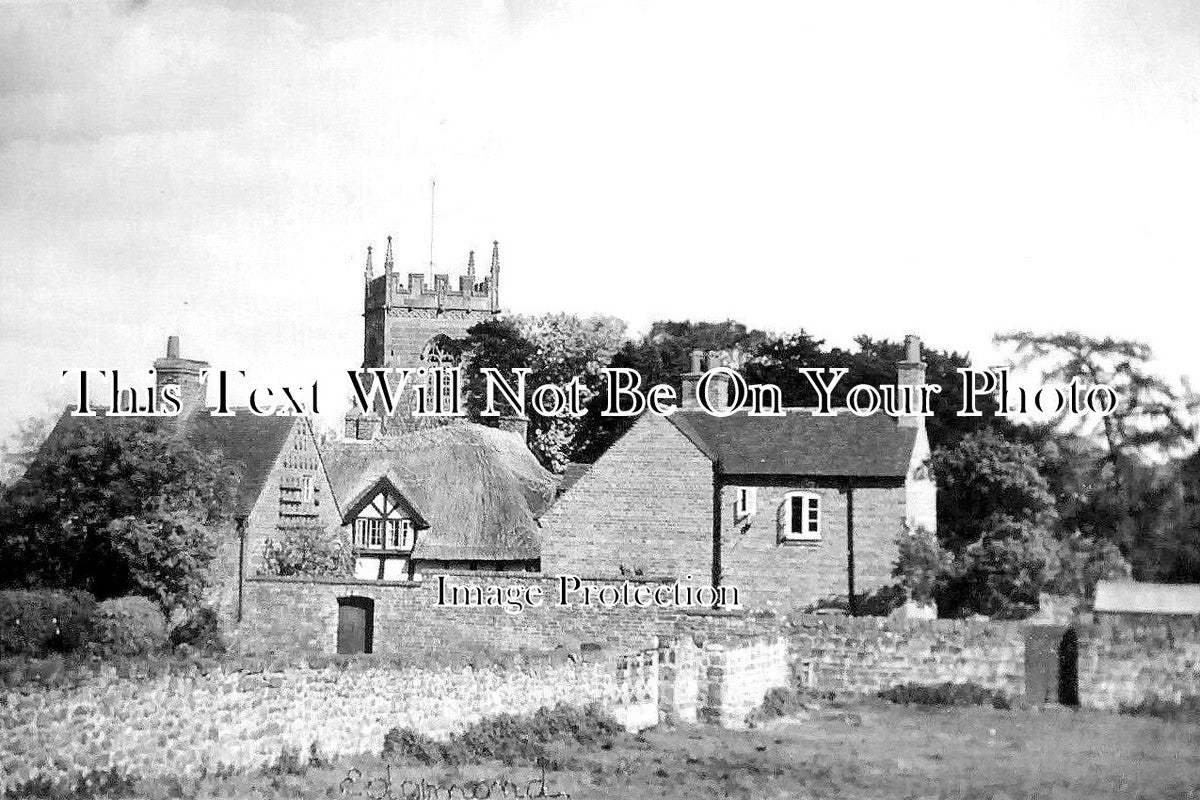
911	372
518	426
185	373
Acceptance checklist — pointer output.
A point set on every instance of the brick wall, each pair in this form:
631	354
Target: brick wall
867	654
280	508
1128	658
791	575
646	504
301	616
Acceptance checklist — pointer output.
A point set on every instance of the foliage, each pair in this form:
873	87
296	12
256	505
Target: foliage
97	783
308	551
786	701
1083	561
557	348
116	506
982	477
1185	709
128	626
38	622
946	695
921	565
875	603
873	362
508	738
201	631
1151	416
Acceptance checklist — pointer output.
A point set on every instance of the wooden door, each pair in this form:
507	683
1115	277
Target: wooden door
1043	660
354	625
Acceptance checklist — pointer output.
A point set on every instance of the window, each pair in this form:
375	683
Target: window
368	533
746	503
800	517
306	489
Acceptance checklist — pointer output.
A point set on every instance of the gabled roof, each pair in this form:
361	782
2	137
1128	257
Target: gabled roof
1133	597
409	496
479	488
250	444
799	443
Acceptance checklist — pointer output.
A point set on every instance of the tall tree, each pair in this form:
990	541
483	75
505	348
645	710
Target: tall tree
115	507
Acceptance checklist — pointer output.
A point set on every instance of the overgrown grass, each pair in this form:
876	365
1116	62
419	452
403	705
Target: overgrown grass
946	695
509	739
1185	709
786	701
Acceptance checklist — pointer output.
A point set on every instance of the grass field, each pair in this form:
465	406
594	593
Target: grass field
870	750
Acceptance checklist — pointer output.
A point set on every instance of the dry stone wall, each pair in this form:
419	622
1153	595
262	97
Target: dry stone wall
1126	659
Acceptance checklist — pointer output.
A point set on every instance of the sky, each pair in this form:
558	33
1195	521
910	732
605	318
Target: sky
952	169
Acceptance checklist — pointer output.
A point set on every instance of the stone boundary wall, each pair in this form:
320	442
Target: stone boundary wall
868	654
737	677
175	725
1125	659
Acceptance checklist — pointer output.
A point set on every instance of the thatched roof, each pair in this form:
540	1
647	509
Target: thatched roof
480	488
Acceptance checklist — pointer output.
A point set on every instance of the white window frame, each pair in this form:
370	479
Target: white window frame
811	502
306	488
745	503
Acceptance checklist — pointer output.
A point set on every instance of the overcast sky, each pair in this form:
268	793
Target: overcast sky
946	168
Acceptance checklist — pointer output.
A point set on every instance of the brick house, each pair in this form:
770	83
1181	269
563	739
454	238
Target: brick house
282	484
788	509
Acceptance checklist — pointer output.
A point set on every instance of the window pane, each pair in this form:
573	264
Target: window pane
393	534
797	514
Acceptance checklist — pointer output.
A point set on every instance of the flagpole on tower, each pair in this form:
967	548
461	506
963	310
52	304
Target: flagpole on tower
432	190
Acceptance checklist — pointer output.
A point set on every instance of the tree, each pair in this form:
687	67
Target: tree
115	507
1151	416
557	348
872	362
983	478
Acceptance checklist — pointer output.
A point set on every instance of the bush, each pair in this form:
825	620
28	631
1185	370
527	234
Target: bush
308	551
38	622
129	626
1185	709
946	695
507	738
201	631
784	701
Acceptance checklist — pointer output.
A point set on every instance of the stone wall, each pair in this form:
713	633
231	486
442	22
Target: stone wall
736	678
868	654
1125	659
173	725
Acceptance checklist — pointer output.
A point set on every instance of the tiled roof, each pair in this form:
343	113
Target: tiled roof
249	443
801	444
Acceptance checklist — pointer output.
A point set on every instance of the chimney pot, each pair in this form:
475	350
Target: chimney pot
172	347
697	361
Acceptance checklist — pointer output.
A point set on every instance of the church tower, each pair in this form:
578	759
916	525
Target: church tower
409	324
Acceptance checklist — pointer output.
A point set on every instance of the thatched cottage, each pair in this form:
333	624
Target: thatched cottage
460	496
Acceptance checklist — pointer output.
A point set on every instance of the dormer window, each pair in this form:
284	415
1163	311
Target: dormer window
800	517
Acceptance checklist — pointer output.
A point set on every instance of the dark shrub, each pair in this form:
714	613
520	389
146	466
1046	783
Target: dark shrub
946	694
129	626
507	738
1185	709
42	621
784	701
201	631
